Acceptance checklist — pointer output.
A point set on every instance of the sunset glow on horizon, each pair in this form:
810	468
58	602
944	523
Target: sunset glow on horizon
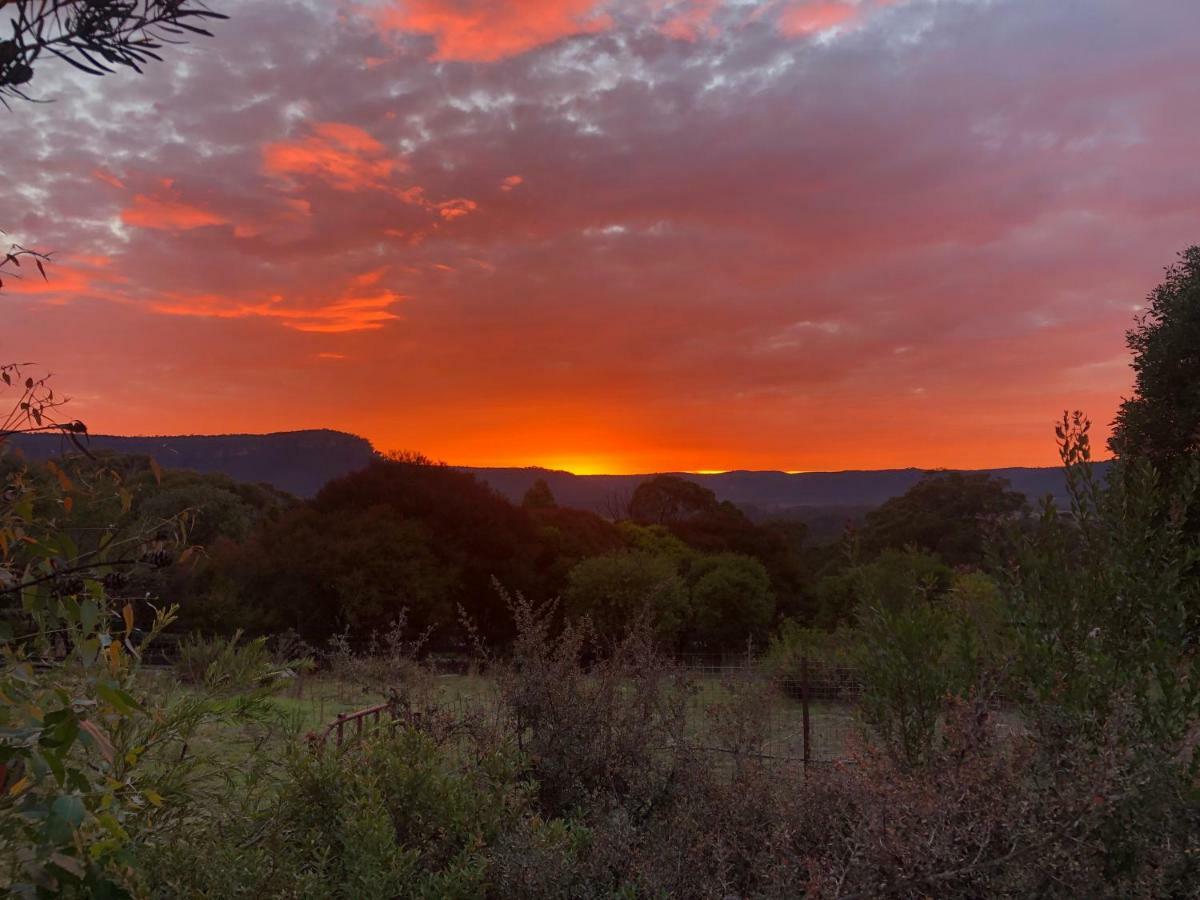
614	236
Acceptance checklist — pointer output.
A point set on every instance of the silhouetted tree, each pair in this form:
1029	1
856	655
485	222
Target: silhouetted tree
1161	421
567	536
10	263
539	496
948	513
318	573
35	408
476	532
693	514
666	499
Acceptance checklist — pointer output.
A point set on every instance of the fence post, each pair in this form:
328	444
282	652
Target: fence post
341	721
804	712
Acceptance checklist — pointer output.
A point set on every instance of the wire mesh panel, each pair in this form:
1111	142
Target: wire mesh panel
806	714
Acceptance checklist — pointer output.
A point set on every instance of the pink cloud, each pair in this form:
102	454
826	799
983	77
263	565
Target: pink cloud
166	209
488	30
103	175
691	20
456	209
351	310
813	16
344	155
68	278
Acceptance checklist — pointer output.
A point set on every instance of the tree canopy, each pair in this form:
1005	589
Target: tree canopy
668	499
539	496
616	589
948	513
732	601
1161	421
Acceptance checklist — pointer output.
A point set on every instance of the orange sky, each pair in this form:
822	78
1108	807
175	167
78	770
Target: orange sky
614	235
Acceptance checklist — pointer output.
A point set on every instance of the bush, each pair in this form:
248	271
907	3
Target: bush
402	816
228	665
396	816
902	658
389	664
610	733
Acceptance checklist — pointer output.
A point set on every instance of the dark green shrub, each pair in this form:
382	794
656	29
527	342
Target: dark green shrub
230	665
403	816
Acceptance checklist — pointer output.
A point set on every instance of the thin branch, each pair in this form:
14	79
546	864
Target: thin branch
94	36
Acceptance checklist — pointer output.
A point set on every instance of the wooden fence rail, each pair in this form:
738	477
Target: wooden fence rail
370	719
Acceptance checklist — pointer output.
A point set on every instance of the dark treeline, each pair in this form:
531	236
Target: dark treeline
406	534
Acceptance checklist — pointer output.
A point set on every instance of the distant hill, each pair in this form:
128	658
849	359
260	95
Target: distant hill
824	500
298	462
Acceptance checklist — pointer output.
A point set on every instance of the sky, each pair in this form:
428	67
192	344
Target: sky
614	235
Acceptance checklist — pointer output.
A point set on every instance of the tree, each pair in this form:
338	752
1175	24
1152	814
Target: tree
655	539
732	600
615	589
919	634
218	506
11	261
666	499
475	532
76	802
1105	611
539	496
565	537
1161	421
694	515
318	573
896	579
35	408
948	513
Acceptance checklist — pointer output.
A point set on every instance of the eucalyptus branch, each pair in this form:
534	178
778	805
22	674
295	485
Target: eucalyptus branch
12	261
70	570
94	36
32	411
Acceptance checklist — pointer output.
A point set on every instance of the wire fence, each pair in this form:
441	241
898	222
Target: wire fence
805	714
